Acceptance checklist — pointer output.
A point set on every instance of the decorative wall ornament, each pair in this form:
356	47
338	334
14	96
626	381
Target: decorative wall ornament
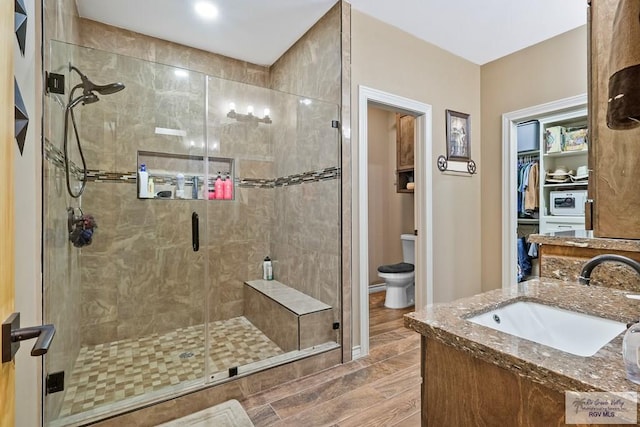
21	119
20	24
458	127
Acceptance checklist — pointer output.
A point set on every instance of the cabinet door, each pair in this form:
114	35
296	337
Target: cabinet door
405	137
615	154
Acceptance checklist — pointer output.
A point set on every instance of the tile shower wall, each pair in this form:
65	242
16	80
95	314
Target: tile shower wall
306	241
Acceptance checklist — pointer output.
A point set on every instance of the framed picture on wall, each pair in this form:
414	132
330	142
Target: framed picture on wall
458	136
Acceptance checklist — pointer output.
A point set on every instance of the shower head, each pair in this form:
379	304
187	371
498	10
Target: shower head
90	99
85	98
88	87
108	89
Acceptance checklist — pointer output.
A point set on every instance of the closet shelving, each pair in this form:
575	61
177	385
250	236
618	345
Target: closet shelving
552	161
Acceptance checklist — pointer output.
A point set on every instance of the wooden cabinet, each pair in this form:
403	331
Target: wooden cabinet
614	155
405	140
459	389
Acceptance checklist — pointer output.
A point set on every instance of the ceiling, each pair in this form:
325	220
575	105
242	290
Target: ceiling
260	31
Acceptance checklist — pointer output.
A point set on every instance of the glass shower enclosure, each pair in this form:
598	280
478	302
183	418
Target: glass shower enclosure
153	275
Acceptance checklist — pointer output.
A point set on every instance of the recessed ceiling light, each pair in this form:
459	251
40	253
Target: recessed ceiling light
206	9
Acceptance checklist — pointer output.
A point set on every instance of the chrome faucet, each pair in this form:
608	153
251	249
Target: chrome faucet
585	274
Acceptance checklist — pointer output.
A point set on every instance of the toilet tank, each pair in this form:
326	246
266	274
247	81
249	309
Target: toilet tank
408	248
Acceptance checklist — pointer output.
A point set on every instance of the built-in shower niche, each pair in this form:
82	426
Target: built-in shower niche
172	176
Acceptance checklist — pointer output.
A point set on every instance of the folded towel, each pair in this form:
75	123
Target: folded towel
624	63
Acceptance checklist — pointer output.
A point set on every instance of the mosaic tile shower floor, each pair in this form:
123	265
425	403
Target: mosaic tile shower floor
111	372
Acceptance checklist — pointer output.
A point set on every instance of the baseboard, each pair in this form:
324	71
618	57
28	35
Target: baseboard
377	288
355	352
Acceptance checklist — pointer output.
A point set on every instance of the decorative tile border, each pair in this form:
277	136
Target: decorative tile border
300	178
55	155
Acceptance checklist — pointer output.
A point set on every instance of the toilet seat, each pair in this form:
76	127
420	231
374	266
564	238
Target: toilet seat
399	280
401	267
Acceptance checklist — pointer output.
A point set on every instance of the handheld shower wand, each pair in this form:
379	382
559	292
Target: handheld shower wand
88	96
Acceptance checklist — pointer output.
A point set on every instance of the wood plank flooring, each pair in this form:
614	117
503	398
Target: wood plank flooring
382	389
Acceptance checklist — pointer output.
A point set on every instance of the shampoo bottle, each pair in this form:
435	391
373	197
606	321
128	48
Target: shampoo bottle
152	188
194	189
218	188
267	269
228	188
179	186
631	352
143	182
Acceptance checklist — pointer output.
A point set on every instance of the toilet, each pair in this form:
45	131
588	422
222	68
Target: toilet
399	278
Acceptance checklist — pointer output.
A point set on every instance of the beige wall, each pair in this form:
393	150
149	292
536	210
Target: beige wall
393	61
27	216
548	71
390	212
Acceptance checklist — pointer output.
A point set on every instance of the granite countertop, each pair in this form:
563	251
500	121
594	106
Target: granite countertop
585	239
558	370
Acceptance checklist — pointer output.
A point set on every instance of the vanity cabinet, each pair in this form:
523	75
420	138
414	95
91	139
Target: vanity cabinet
473	375
405	152
461	390
614	155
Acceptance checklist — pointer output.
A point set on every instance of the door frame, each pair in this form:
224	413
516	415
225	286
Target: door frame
7	215
423	200
509	161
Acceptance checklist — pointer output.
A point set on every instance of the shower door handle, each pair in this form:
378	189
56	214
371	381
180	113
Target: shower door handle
12	334
195	232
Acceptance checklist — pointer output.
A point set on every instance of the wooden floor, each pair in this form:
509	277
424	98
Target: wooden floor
382	389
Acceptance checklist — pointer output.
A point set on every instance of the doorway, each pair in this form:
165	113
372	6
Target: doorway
509	162
369	97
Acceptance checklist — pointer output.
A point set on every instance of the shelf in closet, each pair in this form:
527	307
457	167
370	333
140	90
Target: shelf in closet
566	185
566	153
528	221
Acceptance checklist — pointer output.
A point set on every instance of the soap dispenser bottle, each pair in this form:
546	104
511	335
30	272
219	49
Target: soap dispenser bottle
218	187
631	352
228	188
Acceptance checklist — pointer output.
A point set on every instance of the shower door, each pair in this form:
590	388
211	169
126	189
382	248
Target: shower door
286	206
128	307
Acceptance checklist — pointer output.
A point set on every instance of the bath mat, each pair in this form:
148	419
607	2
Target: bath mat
227	414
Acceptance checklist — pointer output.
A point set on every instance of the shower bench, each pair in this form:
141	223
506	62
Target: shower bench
290	318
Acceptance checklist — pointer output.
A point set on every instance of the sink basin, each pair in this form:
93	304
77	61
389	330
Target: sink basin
569	331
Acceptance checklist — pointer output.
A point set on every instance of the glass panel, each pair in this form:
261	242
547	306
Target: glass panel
286	207
128	308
